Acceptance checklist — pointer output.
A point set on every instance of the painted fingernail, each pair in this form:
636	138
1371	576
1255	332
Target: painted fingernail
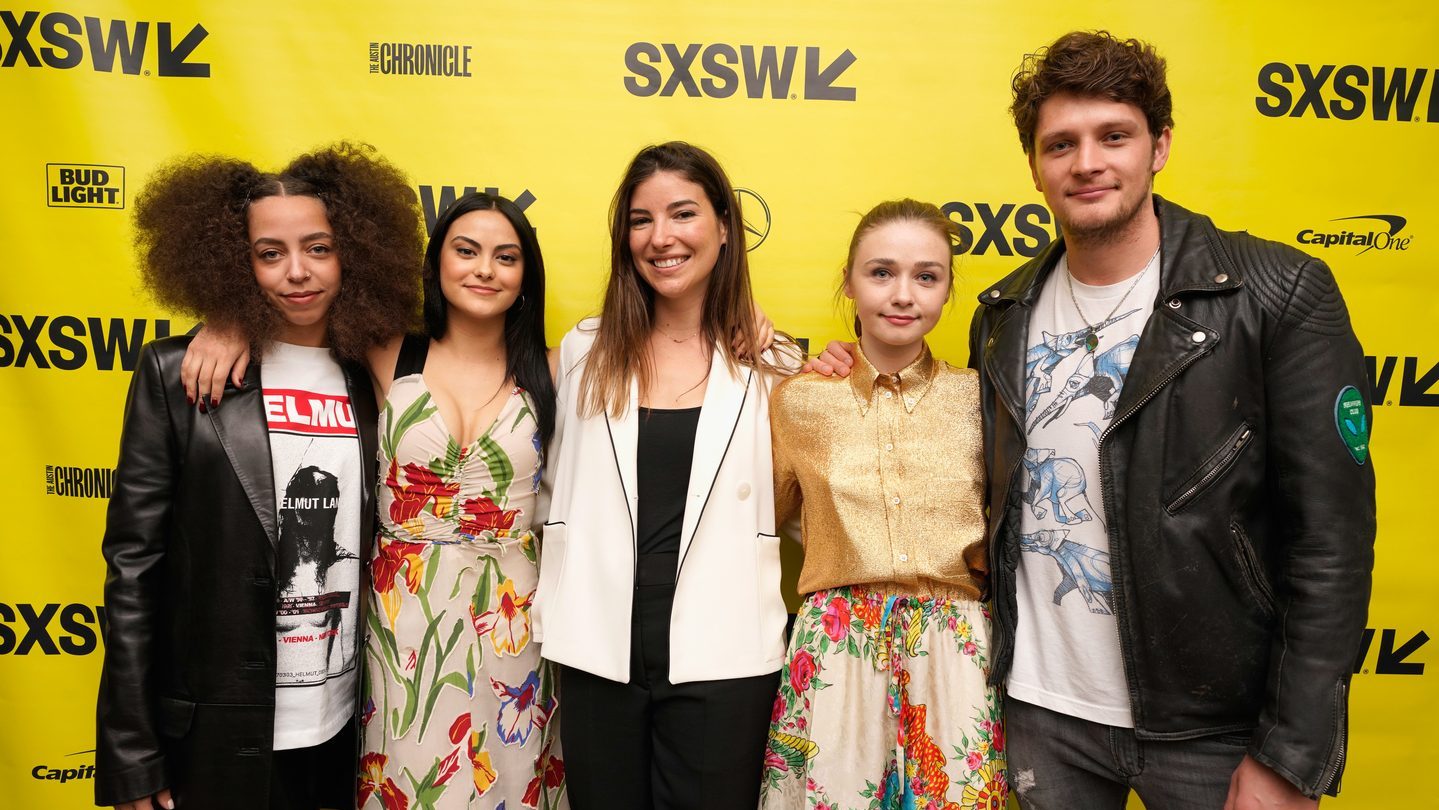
214	402
189	399
203	409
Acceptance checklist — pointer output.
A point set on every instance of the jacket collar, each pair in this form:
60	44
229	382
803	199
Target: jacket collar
240	424
1183	234
910	382
244	432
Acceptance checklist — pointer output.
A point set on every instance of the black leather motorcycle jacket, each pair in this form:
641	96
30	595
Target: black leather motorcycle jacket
1237	487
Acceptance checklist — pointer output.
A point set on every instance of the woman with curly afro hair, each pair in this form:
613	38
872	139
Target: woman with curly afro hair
452	677
234	537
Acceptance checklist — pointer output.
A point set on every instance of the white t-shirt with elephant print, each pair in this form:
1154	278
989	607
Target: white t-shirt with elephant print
1081	340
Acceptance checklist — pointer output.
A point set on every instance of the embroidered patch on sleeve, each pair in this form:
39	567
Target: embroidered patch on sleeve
1351	422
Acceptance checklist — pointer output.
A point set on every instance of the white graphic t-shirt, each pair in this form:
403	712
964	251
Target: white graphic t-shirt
315	449
1066	655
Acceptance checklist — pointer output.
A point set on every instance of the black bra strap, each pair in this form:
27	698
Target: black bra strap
411	360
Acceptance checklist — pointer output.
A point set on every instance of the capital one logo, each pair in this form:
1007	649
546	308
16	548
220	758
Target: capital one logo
62	41
1347	92
1358	235
720	71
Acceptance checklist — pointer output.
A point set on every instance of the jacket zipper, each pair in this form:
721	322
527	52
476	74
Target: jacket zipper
1218	469
1115	568
1336	765
1252	570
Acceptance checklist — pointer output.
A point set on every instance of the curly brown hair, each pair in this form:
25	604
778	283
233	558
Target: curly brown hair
192	235
1094	64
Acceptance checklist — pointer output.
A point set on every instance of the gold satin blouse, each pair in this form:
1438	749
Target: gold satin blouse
887	474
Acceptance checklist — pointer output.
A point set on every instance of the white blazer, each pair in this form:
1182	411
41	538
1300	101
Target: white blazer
729	617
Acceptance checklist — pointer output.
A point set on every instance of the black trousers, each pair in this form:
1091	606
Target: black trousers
321	776
653	744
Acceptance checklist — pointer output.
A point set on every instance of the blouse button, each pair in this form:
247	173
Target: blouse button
889	445
896	500
888	394
904	558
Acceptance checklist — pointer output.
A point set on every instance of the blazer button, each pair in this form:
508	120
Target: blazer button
743	491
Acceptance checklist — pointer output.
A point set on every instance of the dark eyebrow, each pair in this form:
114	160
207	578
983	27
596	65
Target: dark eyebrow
316	236
680	204
505	246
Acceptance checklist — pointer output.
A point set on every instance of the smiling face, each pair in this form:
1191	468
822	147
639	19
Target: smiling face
674	235
292	251
1095	160
899	281
481	265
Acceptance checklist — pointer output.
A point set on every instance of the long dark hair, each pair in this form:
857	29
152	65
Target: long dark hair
525	347
620	352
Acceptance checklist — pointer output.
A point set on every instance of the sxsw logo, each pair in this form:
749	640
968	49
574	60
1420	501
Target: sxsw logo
1392	657
84	185
27	629
720	71
68	342
1414	387
996	225
1346	92
1387	238
436	200
63	41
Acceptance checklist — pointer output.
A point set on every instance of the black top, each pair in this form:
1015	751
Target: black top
666	448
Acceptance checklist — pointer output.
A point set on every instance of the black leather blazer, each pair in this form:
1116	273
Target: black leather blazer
1241	529
187	689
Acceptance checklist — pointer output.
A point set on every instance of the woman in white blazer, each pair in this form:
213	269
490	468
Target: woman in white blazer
659	577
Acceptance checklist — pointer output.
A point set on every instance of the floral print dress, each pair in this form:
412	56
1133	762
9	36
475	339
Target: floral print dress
458	710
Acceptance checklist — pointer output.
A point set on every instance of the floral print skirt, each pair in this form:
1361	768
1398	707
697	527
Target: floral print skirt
458	710
884	705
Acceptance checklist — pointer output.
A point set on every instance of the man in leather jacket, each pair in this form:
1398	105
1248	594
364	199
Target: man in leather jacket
1181	501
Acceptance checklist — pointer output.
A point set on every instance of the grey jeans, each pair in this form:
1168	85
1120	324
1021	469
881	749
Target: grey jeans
1059	762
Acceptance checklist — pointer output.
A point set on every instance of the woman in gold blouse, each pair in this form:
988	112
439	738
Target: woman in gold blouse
884	701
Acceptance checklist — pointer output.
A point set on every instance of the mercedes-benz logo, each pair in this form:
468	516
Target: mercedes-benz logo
756	217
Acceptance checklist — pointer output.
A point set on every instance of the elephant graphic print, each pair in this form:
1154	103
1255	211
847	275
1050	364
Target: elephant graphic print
1082	339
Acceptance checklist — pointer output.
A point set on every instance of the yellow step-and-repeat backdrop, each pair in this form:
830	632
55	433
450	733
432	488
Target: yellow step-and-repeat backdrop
1314	124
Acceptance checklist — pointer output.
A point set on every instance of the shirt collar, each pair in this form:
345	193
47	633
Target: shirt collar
910	382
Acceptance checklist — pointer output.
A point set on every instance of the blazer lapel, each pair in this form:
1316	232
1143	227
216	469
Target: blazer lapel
624	435
719	418
367	424
240	424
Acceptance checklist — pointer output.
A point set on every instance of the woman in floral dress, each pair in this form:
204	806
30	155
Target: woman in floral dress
458	709
884	701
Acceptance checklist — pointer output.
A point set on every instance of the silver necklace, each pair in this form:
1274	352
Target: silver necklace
1091	333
